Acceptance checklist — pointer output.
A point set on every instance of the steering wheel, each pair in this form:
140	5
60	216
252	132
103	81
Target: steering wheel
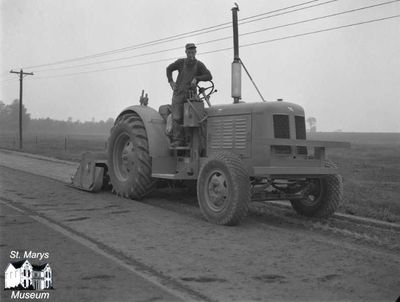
205	92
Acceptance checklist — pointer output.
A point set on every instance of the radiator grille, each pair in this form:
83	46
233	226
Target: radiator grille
300	133
230	132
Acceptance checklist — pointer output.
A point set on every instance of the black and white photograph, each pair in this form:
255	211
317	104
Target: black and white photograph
195	150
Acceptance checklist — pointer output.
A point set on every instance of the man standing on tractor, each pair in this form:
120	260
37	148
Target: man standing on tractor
190	72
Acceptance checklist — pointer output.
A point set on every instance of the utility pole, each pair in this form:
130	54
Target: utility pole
21	77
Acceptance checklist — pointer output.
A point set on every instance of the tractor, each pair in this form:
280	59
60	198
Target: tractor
235	153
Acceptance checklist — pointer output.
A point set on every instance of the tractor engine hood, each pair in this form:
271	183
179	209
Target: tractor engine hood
249	108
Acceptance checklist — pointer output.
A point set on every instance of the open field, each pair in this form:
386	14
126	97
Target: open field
67	147
371	172
371	168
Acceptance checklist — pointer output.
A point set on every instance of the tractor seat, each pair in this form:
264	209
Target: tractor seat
164	111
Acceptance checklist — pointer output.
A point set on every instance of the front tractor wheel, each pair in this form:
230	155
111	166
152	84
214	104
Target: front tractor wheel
223	189
128	158
322	196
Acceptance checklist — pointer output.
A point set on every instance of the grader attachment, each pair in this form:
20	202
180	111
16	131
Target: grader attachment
91	174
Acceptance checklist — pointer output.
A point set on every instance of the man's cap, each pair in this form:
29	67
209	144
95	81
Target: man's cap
190	46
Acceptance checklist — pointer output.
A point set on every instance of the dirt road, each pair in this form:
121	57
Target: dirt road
80	274
166	239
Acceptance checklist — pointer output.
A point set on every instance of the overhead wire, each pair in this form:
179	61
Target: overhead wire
111	60
305	34
230	26
224	38
106	69
182	35
229	48
321	30
322	17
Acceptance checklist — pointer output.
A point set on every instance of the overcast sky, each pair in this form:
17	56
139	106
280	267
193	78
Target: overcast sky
348	78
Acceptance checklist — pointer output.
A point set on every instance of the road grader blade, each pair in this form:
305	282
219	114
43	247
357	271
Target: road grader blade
91	173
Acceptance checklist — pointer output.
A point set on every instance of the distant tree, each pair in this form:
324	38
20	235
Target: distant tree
312	122
9	116
9	120
109	123
4	111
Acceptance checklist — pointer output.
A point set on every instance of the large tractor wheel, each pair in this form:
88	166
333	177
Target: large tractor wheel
322	196
223	189
128	158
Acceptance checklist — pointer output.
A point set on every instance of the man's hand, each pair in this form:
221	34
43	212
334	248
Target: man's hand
193	83
173	85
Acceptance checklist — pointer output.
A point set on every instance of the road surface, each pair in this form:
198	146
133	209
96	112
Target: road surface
162	248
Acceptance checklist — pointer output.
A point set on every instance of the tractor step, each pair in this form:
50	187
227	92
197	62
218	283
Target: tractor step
179	148
164	175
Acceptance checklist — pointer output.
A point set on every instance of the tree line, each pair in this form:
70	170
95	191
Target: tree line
9	121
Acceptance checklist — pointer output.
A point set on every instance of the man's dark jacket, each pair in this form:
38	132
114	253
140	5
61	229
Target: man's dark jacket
188	70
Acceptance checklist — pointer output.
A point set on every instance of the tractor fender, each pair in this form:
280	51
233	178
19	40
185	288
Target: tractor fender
155	129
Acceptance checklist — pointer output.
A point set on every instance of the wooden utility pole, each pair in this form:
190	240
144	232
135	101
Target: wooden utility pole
21	77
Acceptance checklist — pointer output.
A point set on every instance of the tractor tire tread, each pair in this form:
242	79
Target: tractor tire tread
333	186
240	189
142	184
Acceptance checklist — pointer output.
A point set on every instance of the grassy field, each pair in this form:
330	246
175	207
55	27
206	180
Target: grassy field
67	147
370	168
371	172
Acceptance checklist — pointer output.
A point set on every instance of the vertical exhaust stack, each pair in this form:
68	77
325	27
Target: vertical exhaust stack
236	65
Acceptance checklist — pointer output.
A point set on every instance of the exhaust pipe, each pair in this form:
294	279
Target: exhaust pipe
236	65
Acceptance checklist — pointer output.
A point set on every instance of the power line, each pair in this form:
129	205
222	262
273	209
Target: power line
206	29
319	18
322	30
223	38
180	36
112	60
291	11
107	69
305	34
371	6
228	26
229	48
